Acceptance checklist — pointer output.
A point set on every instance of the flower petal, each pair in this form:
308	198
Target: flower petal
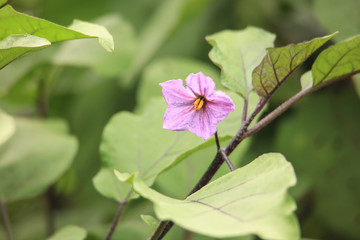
220	104
202	124
175	93
178	118
200	84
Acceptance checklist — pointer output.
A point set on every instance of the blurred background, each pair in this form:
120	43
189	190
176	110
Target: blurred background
163	40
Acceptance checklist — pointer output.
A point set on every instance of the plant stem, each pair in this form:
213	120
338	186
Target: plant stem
227	160
117	216
161	230
6	220
219	149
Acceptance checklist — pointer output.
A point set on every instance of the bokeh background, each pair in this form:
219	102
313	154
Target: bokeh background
163	40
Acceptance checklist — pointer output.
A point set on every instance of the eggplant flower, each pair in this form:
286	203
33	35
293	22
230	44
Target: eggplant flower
198	108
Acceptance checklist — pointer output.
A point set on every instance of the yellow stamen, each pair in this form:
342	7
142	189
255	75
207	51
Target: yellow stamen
199	103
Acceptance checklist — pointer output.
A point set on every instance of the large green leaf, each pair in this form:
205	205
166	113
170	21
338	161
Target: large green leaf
249	200
279	63
340	60
33	158
237	53
69	233
7	127
22	34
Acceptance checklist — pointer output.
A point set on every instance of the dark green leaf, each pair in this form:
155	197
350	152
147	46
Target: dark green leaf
22	34
338	61
279	63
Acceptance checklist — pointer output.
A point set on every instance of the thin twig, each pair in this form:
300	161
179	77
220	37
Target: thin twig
227	160
117	216
284	106
217	141
6	220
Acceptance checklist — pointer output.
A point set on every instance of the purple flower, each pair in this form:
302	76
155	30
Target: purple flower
197	108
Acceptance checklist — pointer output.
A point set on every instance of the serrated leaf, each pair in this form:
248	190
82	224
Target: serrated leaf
22	34
237	53
33	158
279	63
7	127
340	60
249	200
69	233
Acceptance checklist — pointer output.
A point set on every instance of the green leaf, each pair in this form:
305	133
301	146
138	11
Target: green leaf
338	61
22	34
150	221
237	53
306	80
85	53
69	233
279	63
15	41
7	127
249	200
33	158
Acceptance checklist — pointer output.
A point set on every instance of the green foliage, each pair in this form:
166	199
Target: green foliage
249	200
338	61
279	63
22	34
69	233
30	163
237	53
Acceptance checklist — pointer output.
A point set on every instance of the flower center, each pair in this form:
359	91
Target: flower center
199	103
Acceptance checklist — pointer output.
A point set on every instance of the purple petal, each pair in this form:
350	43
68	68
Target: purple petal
178	118
203	124
219	104
176	94
200	84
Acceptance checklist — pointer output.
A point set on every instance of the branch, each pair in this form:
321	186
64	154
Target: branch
6	220
285	106
117	216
